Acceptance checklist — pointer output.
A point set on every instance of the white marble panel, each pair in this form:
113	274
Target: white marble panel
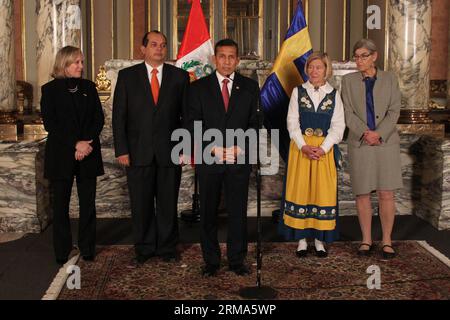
409	49
58	25
7	63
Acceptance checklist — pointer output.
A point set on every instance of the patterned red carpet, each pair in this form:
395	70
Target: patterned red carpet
416	273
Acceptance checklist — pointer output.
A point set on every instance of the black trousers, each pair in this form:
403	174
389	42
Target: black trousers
155	230
62	235
236	196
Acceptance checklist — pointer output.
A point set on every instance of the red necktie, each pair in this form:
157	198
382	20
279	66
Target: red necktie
225	93
155	85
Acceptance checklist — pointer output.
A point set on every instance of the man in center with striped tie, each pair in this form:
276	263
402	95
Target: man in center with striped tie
150	102
224	100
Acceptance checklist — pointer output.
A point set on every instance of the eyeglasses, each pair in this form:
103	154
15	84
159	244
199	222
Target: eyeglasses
363	57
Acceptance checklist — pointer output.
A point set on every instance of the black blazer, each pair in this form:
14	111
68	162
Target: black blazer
141	129
65	129
206	105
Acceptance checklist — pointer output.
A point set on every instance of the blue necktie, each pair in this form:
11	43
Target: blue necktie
370	107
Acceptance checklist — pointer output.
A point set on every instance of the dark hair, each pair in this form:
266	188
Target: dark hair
368	44
145	40
226	43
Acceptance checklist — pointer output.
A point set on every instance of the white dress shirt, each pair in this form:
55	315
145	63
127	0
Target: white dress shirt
337	126
229	84
158	75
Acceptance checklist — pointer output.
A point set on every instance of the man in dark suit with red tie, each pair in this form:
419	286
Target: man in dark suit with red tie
150	102
224	100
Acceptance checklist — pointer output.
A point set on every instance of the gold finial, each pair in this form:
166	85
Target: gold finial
101	81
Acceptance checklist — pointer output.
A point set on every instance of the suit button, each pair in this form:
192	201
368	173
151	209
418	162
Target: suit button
378	117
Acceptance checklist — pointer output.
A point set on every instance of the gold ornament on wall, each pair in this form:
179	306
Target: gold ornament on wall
101	81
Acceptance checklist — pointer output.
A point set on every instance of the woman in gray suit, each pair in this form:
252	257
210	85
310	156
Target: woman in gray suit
372	102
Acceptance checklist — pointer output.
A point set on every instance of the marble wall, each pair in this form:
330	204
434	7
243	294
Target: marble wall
24	196
7	70
58	25
409	50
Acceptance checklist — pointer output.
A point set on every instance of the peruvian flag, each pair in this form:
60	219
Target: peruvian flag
196	50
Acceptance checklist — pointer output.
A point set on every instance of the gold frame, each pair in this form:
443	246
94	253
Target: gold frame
131	29
279	26
211	21
386	36
344	32
112	29
260	25
93	74
289	11
24	42
159	15
175	29
324	19
149	15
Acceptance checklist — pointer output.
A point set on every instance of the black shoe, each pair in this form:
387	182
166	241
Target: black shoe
388	255
301	253
240	269
61	262
142	258
365	252
321	253
170	257
210	270
89	257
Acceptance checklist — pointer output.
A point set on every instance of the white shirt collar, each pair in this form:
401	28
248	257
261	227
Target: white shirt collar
327	88
221	77
150	68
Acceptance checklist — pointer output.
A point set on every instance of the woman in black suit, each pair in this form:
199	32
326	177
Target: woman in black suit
73	118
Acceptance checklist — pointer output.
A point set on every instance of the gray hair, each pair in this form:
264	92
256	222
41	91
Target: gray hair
368	44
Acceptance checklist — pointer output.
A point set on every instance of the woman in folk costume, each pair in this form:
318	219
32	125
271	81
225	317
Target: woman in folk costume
316	125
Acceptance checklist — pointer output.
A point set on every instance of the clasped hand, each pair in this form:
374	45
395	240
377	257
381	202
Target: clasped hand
228	155
313	153
372	138
83	149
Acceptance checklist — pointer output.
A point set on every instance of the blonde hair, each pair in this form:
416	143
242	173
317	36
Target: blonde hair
64	58
317	55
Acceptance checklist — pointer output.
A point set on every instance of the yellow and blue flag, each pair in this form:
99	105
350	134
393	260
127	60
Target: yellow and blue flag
287	73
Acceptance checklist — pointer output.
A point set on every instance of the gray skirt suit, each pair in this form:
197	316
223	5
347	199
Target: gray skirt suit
373	167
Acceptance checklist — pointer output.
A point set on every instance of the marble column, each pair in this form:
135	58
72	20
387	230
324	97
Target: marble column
409	50
7	70
58	25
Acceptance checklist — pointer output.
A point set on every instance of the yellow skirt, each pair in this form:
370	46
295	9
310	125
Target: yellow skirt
311	189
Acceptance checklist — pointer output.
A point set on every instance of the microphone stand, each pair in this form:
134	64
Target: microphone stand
258	292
